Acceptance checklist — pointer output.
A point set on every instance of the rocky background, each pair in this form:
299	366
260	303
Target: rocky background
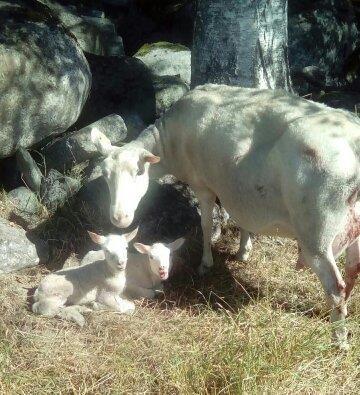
119	64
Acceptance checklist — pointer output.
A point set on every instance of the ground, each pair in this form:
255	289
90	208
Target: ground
259	327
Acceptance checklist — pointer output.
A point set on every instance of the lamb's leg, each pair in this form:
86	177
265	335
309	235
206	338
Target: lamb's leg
206	201
115	302
72	313
47	306
141	292
245	246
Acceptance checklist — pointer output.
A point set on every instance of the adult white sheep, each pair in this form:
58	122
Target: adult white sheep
280	165
144	272
65	292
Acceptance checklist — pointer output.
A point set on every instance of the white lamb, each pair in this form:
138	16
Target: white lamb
145	271
99	283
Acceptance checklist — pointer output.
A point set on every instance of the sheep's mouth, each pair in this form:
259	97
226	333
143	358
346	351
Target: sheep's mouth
163	274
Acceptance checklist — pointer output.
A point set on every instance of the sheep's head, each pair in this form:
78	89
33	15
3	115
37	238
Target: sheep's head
160	256
114	247
126	171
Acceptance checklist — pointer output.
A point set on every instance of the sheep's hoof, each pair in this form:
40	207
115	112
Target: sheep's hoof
204	269
243	256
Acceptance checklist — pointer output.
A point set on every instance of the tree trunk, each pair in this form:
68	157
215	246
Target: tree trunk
241	42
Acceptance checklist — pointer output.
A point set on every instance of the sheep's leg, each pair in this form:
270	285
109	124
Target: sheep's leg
245	246
324	266
206	201
352	267
72	313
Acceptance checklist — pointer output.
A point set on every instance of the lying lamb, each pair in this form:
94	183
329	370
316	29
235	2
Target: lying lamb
65	292
145	271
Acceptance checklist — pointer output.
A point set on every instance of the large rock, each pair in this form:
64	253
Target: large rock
322	34
168	90
144	21
56	189
76	147
17	251
44	76
29	169
25	207
120	86
164	58
95	33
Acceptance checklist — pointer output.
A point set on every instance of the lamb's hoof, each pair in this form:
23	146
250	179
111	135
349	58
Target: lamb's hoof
129	311
344	347
79	320
151	295
127	307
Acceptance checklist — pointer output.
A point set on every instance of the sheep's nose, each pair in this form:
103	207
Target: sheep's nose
122	220
121	217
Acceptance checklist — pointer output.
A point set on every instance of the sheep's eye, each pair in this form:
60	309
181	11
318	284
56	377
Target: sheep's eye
151	257
106	173
140	171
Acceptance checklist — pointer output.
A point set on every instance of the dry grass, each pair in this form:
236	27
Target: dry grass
258	327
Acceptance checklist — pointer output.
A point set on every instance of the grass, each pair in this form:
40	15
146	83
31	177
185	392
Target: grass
259	327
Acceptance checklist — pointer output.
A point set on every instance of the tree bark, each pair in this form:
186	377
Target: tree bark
241	42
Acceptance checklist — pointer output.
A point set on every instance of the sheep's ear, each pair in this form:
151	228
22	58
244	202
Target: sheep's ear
150	158
101	142
97	238
142	248
131	235
175	245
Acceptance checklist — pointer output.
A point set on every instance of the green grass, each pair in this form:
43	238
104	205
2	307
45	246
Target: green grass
259	327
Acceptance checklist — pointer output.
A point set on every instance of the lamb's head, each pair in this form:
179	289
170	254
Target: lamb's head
126	171
114	247
160	256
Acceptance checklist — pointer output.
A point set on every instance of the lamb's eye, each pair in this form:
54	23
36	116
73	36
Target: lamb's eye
151	257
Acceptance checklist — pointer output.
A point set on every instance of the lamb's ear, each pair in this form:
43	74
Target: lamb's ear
101	142
131	235
150	158
142	248
175	245
97	238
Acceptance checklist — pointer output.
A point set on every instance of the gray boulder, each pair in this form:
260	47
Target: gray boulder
76	147
120	86
322	34
168	90
56	189
17	251
30	171
164	58
94	33
25	207
44	76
